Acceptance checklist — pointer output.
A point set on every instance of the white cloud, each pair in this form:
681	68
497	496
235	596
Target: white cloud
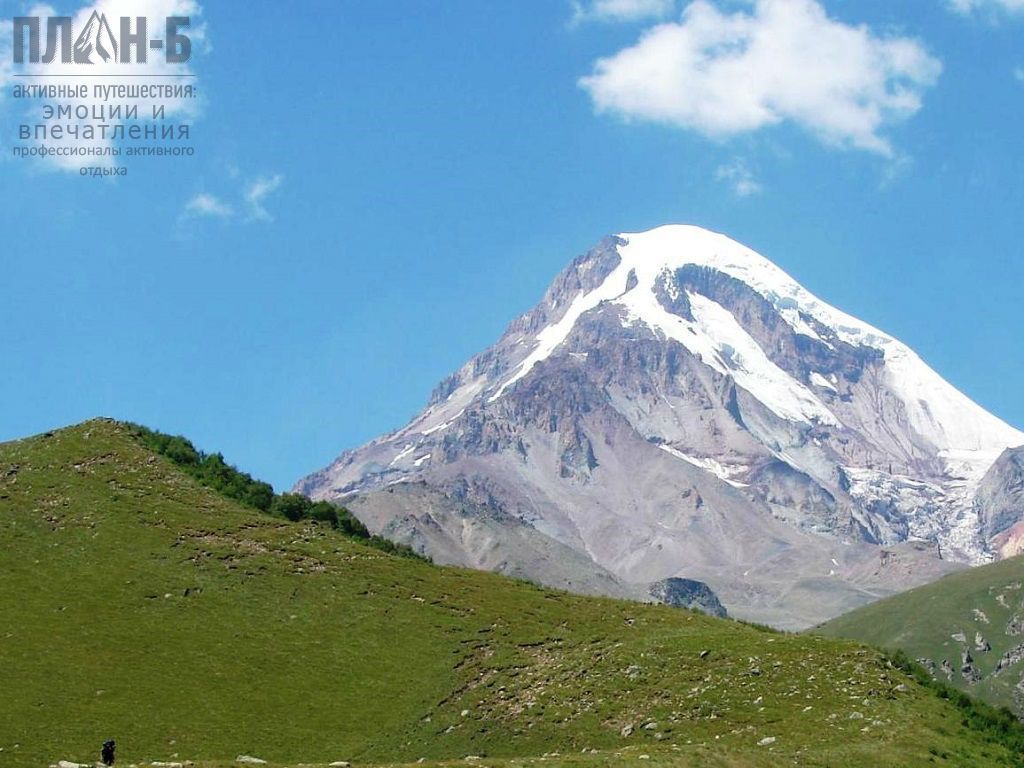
176	110
258	191
249	205
970	6
204	204
739	177
1018	73
895	169
725	74
621	10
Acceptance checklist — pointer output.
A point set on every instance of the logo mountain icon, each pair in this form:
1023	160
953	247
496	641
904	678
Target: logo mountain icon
96	38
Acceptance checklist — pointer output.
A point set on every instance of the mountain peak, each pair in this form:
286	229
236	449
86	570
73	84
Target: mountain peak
679	406
644	283
690	243
674	246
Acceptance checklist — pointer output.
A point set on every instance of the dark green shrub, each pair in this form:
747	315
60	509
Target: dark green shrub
324	512
351	525
292	506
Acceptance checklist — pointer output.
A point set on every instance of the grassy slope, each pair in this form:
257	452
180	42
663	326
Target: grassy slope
922	622
137	605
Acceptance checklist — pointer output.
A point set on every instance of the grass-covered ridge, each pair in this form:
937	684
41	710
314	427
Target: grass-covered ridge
211	470
979	611
141	605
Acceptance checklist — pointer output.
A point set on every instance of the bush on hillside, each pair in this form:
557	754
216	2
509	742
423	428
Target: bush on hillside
291	506
209	469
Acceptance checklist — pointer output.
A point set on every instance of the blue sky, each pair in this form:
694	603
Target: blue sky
379	188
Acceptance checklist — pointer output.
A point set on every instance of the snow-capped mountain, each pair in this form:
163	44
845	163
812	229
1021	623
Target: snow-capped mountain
678	406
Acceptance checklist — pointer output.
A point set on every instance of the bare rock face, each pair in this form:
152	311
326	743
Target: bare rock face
676	406
687	593
459	525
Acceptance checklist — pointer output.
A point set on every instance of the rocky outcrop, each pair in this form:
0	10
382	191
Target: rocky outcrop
1015	626
947	669
968	671
1013	656
687	593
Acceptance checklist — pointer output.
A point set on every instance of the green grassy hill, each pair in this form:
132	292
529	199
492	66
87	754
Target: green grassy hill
139	605
980	611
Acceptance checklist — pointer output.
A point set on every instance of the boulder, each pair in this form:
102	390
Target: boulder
688	593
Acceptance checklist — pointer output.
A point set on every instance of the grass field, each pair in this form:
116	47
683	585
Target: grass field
138	605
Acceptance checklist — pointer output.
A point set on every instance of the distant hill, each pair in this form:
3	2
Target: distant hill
967	629
140	605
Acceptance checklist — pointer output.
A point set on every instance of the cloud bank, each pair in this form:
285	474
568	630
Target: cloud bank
785	61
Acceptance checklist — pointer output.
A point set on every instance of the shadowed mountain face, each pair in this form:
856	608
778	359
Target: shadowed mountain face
1000	503
677	406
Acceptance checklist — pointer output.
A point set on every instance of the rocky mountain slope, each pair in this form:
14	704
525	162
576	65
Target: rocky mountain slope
140	606
677	406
